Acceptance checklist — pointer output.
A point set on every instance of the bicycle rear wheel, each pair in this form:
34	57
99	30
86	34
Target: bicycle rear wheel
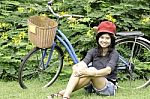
33	68
138	75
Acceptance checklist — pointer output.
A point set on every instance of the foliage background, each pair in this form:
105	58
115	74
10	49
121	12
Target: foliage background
128	15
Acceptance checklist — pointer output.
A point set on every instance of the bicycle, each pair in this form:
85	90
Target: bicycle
49	61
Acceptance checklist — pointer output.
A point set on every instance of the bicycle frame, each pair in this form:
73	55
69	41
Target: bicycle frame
63	39
49	57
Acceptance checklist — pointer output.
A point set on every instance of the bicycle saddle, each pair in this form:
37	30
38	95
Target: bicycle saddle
130	33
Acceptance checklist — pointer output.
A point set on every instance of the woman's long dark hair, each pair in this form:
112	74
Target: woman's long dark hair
110	47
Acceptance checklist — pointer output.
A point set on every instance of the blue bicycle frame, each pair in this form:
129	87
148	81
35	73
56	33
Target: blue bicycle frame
63	39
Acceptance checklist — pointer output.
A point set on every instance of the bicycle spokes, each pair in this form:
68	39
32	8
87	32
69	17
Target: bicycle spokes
135	57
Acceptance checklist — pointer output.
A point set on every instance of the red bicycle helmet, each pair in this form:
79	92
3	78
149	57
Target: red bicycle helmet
106	26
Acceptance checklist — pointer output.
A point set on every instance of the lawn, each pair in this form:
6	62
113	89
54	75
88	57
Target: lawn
12	90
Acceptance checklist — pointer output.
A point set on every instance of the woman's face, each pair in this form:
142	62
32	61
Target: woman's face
104	40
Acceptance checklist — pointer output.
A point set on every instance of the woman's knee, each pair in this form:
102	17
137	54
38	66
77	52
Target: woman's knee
98	79
99	82
74	68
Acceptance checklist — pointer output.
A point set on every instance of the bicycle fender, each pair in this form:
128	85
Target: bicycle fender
138	38
144	39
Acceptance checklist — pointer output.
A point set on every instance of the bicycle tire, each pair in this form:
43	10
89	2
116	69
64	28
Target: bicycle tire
140	76
30	70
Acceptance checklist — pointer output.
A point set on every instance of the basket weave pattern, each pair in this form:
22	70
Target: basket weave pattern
41	31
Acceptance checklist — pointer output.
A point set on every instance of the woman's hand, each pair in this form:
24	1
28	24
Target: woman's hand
87	72
78	68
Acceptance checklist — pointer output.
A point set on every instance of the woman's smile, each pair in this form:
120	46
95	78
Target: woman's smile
104	40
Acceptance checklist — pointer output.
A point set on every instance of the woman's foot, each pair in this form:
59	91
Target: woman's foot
52	96
65	98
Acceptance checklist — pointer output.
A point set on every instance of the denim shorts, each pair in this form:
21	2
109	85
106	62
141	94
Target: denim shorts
108	90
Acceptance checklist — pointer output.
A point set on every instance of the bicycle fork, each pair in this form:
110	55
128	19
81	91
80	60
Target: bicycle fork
130	69
43	65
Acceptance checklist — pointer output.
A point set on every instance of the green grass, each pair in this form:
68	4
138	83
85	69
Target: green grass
12	90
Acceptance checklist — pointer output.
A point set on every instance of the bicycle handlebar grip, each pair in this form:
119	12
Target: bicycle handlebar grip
60	16
80	16
50	2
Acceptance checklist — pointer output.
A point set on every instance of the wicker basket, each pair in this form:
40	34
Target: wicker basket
41	31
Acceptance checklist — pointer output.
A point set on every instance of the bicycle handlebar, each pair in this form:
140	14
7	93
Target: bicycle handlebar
61	16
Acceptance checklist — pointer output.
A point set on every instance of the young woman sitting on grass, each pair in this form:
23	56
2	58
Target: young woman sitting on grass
102	74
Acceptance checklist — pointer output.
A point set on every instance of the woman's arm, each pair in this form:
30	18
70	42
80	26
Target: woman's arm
94	72
103	72
111	65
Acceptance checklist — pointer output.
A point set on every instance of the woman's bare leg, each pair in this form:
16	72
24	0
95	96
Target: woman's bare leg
82	82
70	86
74	84
99	82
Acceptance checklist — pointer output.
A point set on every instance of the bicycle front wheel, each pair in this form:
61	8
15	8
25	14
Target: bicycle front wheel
38	70
137	54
